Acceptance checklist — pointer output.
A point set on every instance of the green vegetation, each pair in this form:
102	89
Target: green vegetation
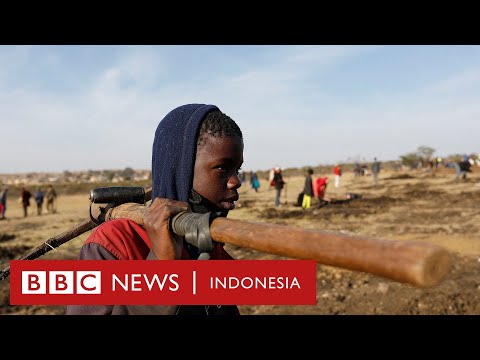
422	156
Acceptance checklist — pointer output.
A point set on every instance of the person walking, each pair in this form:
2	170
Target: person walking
337	172
51	196
375	170
356	170
278	183
25	196
254	181
39	200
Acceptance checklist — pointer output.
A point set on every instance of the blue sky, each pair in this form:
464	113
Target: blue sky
97	107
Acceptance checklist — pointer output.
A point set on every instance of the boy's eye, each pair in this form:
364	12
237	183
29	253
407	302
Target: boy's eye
227	168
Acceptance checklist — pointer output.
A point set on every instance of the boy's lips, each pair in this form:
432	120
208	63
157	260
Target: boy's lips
229	204
232	198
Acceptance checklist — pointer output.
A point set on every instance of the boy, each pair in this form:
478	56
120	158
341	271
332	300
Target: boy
196	158
308	190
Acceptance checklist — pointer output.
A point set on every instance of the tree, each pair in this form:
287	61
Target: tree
109	174
411	159
425	152
422	156
128	173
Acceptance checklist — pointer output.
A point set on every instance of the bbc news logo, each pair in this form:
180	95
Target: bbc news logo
61	282
142	282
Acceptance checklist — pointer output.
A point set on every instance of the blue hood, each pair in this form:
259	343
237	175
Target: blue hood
174	151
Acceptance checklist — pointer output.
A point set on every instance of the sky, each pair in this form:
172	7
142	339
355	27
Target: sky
96	107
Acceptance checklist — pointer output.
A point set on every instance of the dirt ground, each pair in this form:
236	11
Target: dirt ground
405	205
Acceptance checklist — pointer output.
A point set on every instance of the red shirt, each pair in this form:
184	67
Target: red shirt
127	240
319	186
123	239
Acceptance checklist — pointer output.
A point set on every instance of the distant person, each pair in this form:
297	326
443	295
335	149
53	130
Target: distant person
430	164
308	190
375	170
25	197
356	170
364	170
456	166
242	176
51	196
337	172
39	200
254	181
271	174
3	202
462	168
319	189
278	183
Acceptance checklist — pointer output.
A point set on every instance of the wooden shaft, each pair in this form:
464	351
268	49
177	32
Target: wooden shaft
417	263
52	243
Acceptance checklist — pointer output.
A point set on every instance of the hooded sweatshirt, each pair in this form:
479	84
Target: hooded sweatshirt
174	151
173	161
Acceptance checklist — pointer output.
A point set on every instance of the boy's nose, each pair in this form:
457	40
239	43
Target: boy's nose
234	182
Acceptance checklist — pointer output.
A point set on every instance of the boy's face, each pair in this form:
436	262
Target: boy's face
216	171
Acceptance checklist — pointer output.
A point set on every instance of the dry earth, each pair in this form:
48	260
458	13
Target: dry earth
407	206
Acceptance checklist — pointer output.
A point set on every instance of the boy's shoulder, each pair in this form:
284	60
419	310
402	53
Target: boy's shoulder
124	238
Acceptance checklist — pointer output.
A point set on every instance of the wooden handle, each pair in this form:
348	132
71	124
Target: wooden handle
417	263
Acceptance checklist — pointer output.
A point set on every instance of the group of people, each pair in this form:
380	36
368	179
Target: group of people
358	171
25	200
462	166
313	188
50	195
362	170
316	188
